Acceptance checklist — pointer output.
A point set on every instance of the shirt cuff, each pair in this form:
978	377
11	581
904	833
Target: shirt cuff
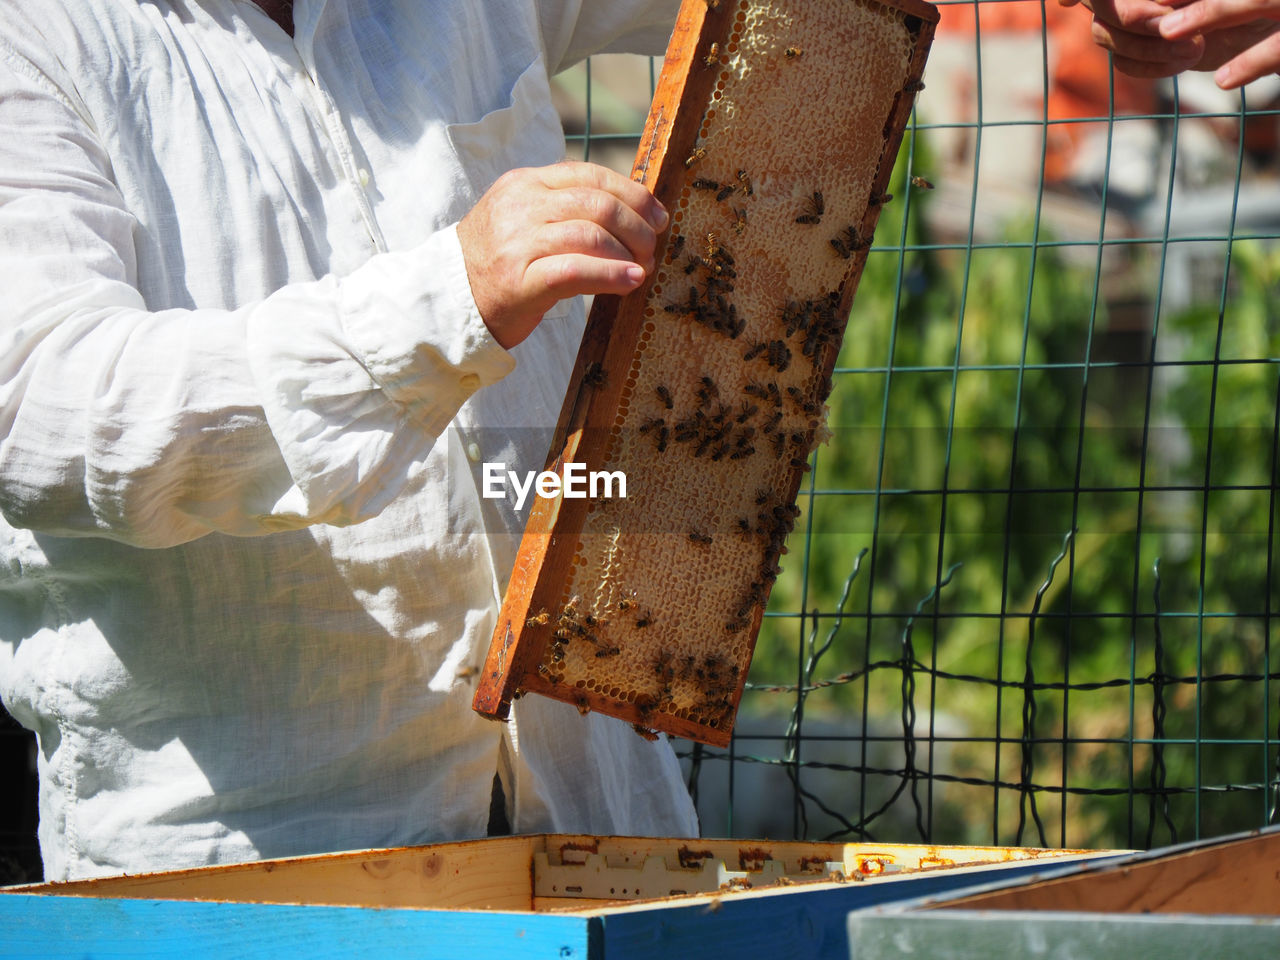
413	319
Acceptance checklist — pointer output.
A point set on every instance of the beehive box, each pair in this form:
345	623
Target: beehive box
771	140
1211	898
531	896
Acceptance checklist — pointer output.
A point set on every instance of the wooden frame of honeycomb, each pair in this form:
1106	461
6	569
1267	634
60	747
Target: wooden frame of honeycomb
771	140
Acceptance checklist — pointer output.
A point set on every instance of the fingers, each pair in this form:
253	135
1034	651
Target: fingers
1204	15
605	210
1129	16
570	274
1130	29
571	173
539	235
1259	60
1140	55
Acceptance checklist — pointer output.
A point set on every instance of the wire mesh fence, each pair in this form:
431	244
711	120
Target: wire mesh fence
1031	597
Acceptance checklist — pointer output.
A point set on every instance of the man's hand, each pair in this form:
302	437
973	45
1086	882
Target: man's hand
1251	25
1144	45
1130	30
542	234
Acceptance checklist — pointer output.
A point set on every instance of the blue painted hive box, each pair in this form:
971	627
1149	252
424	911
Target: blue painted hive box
529	896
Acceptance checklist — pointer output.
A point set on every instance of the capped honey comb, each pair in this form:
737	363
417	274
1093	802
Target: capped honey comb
771	140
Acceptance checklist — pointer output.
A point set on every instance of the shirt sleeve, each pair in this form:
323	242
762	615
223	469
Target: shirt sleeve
316	404
573	30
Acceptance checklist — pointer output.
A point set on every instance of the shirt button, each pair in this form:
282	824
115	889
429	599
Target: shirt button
470	381
363	174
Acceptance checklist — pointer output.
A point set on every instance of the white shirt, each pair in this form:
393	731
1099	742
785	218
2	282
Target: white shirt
244	399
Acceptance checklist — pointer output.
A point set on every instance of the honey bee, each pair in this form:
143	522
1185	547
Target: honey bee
748	411
677	245
664	395
793	53
539	619
814	209
702	183
922	183
876	199
644	620
914	86
848	242
698	154
466	672
607	652
645	732
627	602
698	537
593	376
713	56
755	350
739	221
779	355
712	4
707	391
723	193
713	244
744	183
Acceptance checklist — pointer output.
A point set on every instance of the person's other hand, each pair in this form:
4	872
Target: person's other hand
542	234
1130	30
1248	32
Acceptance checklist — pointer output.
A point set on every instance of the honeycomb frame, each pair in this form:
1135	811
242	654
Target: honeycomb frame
713	375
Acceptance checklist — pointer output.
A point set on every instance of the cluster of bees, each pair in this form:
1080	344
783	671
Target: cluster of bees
773	522
715	677
849	240
713	428
817	320
720	430
707	301
572	623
